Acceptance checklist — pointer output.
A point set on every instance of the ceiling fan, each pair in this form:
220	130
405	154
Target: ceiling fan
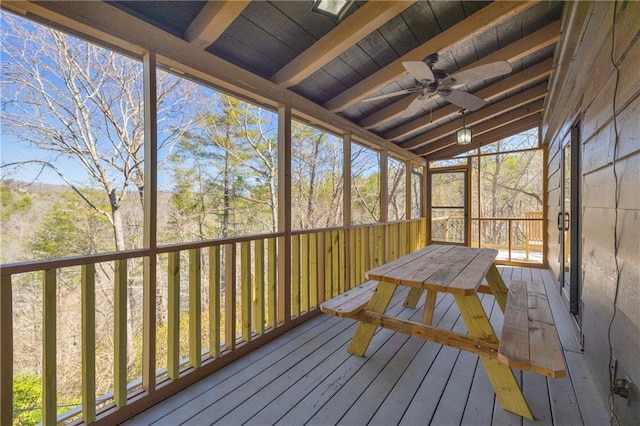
434	82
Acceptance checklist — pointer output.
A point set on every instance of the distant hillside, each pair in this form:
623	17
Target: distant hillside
24	205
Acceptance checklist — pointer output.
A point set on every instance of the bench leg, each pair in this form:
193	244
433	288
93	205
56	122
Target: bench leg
378	303
498	287
500	375
413	297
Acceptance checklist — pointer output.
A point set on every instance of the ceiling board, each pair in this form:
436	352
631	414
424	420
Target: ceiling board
268	35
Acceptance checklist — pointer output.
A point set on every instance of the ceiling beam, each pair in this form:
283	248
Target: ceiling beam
510	53
527	76
490	125
488	17
368	18
523	98
509	130
213	19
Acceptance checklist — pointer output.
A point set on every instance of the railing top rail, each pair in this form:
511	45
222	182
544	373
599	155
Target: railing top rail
169	248
40	265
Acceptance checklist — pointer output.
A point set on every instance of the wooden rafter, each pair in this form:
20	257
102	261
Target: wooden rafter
371	16
488	125
486	113
215	17
527	76
487	17
511	129
510	53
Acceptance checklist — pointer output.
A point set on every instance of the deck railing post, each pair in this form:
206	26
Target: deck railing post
6	350
88	343
49	340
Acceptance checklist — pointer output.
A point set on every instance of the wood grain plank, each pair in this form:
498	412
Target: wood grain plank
351	302
514	344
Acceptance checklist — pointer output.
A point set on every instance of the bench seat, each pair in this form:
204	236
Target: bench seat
530	340
351	302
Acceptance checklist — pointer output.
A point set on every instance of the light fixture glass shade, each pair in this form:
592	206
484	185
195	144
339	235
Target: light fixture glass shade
334	8
464	136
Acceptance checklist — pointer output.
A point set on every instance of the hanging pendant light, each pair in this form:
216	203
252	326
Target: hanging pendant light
463	135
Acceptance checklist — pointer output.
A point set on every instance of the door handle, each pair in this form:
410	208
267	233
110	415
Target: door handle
559	221
567	221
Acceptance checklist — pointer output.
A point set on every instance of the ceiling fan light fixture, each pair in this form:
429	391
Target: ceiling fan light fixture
332	8
464	135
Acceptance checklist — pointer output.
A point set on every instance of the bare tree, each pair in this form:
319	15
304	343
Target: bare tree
69	100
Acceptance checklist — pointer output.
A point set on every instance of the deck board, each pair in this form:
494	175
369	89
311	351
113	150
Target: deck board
307	377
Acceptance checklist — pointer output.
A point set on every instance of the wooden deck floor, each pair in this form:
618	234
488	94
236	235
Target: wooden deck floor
307	377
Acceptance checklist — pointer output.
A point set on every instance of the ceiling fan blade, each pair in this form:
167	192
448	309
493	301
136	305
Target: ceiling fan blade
483	72
392	94
415	105
462	99
419	70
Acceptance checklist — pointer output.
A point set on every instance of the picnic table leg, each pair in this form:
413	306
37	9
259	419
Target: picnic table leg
498	287
378	303
412	298
500	375
429	307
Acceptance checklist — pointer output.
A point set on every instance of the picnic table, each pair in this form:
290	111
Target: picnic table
529	339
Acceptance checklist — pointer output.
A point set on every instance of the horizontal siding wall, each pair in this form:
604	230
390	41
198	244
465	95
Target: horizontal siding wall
591	103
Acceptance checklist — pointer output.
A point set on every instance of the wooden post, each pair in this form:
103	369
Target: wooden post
295	275
195	308
346	210
384	202
49	388
6	350
304	273
230	296
245	289
173	316
258	287
272	283
150	222
214	301
120	333
284	212
88	343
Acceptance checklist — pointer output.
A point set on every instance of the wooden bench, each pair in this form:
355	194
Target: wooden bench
351	302
530	340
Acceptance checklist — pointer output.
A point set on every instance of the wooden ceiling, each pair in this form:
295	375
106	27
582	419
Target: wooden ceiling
337	64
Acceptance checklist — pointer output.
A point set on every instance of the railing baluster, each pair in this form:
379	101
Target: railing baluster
245	289
49	389
6	350
327	265
313	270
272	282
230	296
214	301
342	262
295	275
322	267
173	316
335	264
88	343
195	308
258	287
353	257
304	273
120	334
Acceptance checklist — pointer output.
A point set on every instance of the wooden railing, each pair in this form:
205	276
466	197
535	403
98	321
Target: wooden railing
246	305
523	234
